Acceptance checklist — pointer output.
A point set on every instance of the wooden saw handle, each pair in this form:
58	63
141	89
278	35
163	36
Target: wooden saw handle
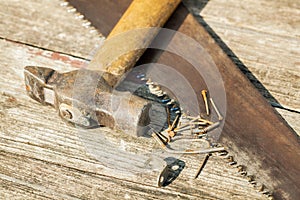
130	37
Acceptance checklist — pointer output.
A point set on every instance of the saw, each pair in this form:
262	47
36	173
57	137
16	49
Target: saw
253	133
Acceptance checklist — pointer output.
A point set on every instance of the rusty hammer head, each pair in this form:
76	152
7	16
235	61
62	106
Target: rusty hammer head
86	105
84	97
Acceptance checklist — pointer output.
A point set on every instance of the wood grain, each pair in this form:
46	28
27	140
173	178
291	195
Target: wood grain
42	157
33	24
38	161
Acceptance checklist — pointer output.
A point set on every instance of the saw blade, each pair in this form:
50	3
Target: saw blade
254	134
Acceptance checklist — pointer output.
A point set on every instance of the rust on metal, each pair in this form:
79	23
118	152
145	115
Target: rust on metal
68	93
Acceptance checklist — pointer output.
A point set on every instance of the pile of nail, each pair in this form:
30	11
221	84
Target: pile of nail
183	126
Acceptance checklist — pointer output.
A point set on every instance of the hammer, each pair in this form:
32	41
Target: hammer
86	97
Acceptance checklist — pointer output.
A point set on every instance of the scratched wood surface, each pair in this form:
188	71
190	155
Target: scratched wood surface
41	157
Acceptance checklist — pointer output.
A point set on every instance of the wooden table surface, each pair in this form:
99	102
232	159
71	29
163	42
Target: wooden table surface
44	158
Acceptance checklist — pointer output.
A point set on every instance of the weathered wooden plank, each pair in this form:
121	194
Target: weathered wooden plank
279	18
39	152
12	82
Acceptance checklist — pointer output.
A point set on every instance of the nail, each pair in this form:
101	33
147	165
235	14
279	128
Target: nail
216	109
206	121
201	151
202	165
204	95
174	123
207	129
164	136
158	139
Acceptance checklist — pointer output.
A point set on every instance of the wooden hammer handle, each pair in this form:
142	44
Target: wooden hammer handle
131	36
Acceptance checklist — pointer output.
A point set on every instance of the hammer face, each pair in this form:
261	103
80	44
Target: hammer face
83	98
